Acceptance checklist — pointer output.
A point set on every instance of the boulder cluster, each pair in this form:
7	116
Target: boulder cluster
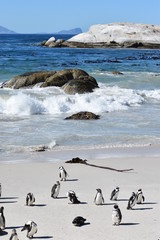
72	81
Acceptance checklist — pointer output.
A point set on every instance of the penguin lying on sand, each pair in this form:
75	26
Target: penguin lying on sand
79	221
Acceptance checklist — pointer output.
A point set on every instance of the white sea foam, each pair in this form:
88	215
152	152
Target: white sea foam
103	99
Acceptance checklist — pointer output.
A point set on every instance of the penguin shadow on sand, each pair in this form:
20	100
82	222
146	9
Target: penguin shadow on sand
71	180
3	233
129	224
43	237
142	208
4	200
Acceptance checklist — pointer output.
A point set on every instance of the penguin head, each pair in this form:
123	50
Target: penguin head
61	168
99	190
14	231
140	190
117	189
58	183
27	226
1	209
115	206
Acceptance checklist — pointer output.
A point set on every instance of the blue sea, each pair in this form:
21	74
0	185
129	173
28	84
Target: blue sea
129	103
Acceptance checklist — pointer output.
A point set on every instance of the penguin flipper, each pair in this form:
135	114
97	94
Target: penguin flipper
66	174
143	198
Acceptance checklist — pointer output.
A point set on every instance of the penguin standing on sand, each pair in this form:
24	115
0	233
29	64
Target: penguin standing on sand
30	199
14	235
99	200
132	201
55	190
0	190
2	219
114	194
31	228
140	197
116	215
63	174
78	221
72	197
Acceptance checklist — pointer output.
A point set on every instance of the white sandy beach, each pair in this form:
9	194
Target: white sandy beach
54	216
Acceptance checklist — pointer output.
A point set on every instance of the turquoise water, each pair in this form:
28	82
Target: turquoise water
129	104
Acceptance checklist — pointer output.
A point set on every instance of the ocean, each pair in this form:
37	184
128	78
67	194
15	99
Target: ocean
128	103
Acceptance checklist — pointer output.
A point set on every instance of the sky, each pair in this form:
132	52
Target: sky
48	16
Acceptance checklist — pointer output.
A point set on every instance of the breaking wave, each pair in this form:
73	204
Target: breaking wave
49	101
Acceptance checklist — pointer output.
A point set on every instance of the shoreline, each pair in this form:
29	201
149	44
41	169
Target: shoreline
60	154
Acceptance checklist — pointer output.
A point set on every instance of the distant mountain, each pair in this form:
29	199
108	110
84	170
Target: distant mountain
4	30
74	31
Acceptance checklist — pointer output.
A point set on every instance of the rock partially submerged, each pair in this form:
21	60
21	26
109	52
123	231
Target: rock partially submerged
71	80
116	35
83	116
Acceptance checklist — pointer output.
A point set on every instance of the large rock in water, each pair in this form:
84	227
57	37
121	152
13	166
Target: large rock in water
83	116
78	80
118	35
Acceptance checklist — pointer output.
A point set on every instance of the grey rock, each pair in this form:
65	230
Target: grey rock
83	116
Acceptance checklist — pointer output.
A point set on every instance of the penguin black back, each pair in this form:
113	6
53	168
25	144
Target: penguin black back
79	221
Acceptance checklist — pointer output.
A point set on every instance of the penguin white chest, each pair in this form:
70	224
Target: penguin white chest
115	217
57	191
99	199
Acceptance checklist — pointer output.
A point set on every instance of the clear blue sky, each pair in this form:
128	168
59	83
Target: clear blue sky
33	16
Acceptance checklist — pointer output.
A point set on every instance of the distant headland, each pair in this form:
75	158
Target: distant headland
4	30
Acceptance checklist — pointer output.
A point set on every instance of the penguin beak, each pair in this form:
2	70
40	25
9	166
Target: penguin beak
24	228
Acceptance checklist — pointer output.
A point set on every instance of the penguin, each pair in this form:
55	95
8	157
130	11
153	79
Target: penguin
14	235
2	219
0	190
140	197
72	197
63	174
116	215
99	200
114	194
30	199
132	201
78	221
55	190
31	228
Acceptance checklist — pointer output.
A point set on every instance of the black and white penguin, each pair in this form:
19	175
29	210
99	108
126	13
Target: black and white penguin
30	199
31	228
114	194
79	221
140	197
14	235
62	174
99	200
132	201
2	219
116	215
55	190
72	197
0	189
